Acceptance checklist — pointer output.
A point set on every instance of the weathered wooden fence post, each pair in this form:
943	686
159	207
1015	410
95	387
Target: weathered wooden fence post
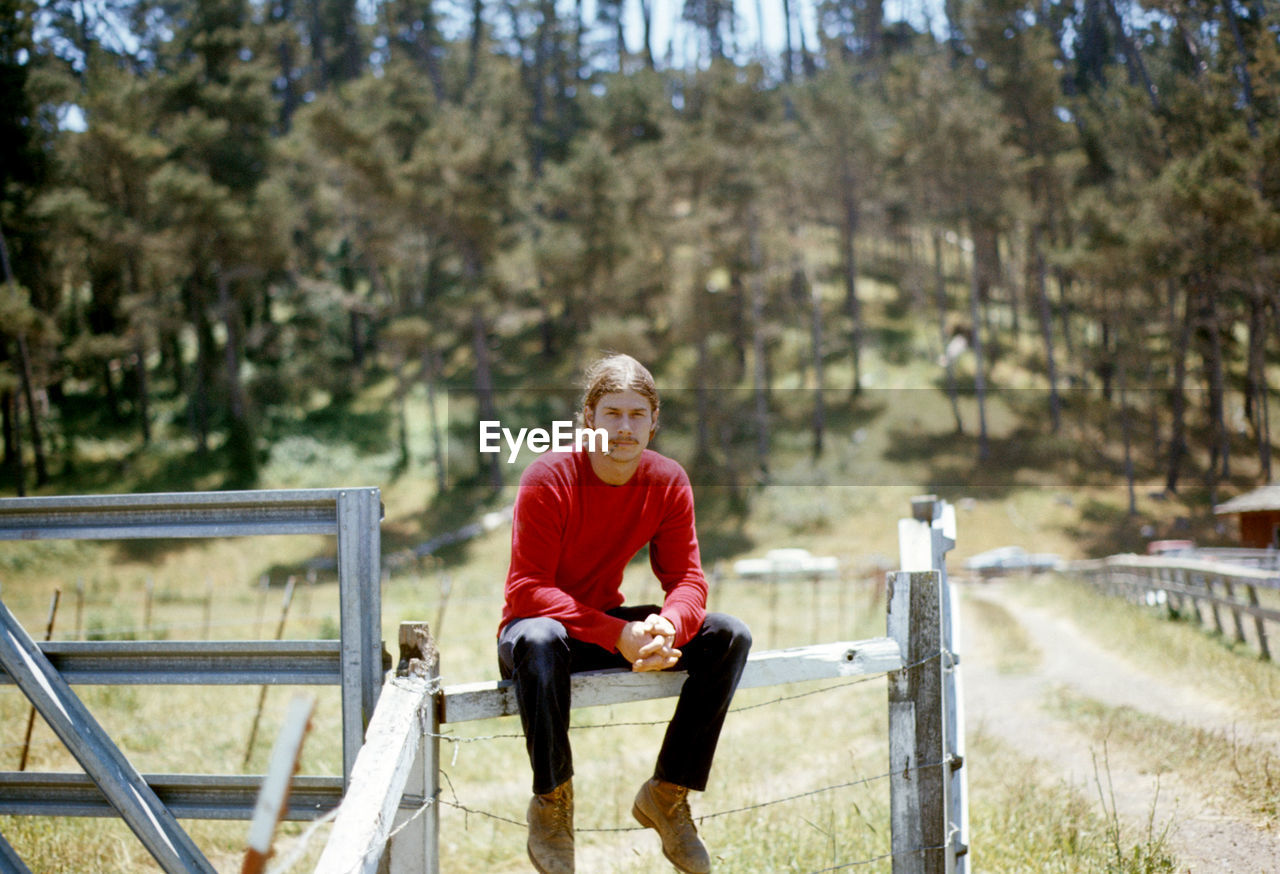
415	845
924	541
920	770
393	762
1258	623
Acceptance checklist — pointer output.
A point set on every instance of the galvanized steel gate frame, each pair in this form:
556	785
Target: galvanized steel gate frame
44	671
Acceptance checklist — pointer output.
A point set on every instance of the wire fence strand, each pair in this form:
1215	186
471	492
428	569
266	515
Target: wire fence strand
422	805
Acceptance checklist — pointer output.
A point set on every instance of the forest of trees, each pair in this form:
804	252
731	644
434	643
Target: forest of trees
241	203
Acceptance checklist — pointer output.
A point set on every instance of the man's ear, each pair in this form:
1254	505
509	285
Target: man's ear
588	418
653	429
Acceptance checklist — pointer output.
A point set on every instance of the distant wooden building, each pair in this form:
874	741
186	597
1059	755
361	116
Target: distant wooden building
1259	512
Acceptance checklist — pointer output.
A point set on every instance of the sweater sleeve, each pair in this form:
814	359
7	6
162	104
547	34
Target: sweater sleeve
538	531
676	562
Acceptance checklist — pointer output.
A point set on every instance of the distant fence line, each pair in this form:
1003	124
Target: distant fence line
1209	588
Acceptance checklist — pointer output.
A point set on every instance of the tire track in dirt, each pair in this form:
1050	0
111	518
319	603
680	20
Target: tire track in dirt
1010	707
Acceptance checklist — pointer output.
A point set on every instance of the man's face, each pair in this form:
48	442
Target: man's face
629	421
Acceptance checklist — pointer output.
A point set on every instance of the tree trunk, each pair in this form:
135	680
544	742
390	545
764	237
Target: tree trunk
848	248
807	65
144	391
171	349
940	286
1217	391
241	441
484	392
761	29
788	63
202	383
819	397
542	51
13	443
1242	67
430	367
109	389
33	417
979	377
1256	401
1181	334
1133	57
761	376
24	373
646	12
477	39
1064	311
1046	329
1126	429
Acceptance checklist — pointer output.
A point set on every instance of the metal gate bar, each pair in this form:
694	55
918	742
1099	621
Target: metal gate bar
101	759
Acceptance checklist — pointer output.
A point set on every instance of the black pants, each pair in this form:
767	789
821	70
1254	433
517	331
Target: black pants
539	655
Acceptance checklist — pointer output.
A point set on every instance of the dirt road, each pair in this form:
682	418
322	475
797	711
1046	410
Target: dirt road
1010	706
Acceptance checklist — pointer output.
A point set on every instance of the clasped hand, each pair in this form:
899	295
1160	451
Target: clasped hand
649	645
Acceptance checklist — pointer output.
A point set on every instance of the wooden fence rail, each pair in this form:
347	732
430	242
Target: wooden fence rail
1181	583
400	758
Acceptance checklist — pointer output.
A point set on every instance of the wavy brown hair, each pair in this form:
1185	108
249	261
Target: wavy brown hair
618	372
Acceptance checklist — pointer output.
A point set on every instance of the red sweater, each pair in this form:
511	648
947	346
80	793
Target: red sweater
573	535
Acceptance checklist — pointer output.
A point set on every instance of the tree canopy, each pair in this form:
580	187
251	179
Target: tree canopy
244	207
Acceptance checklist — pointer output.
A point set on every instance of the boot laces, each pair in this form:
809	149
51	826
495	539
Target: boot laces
679	812
561	813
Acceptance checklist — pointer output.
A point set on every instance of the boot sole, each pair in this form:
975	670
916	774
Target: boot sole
534	861
644	820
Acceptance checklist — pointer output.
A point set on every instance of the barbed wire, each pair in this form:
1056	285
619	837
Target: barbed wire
468	811
299	848
863	862
862	781
302	844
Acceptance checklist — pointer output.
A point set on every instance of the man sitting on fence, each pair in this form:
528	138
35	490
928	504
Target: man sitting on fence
580	517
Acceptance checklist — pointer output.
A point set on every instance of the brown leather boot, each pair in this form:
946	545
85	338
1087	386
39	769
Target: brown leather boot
550	819
664	807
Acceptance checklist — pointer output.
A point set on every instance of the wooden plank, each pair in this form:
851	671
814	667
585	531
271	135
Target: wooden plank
101	759
904	813
488	699
274	797
415	848
920	775
925	656
915	545
378	779
1258	623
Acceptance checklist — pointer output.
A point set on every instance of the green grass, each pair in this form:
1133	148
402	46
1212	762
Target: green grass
1027	822
1244	775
